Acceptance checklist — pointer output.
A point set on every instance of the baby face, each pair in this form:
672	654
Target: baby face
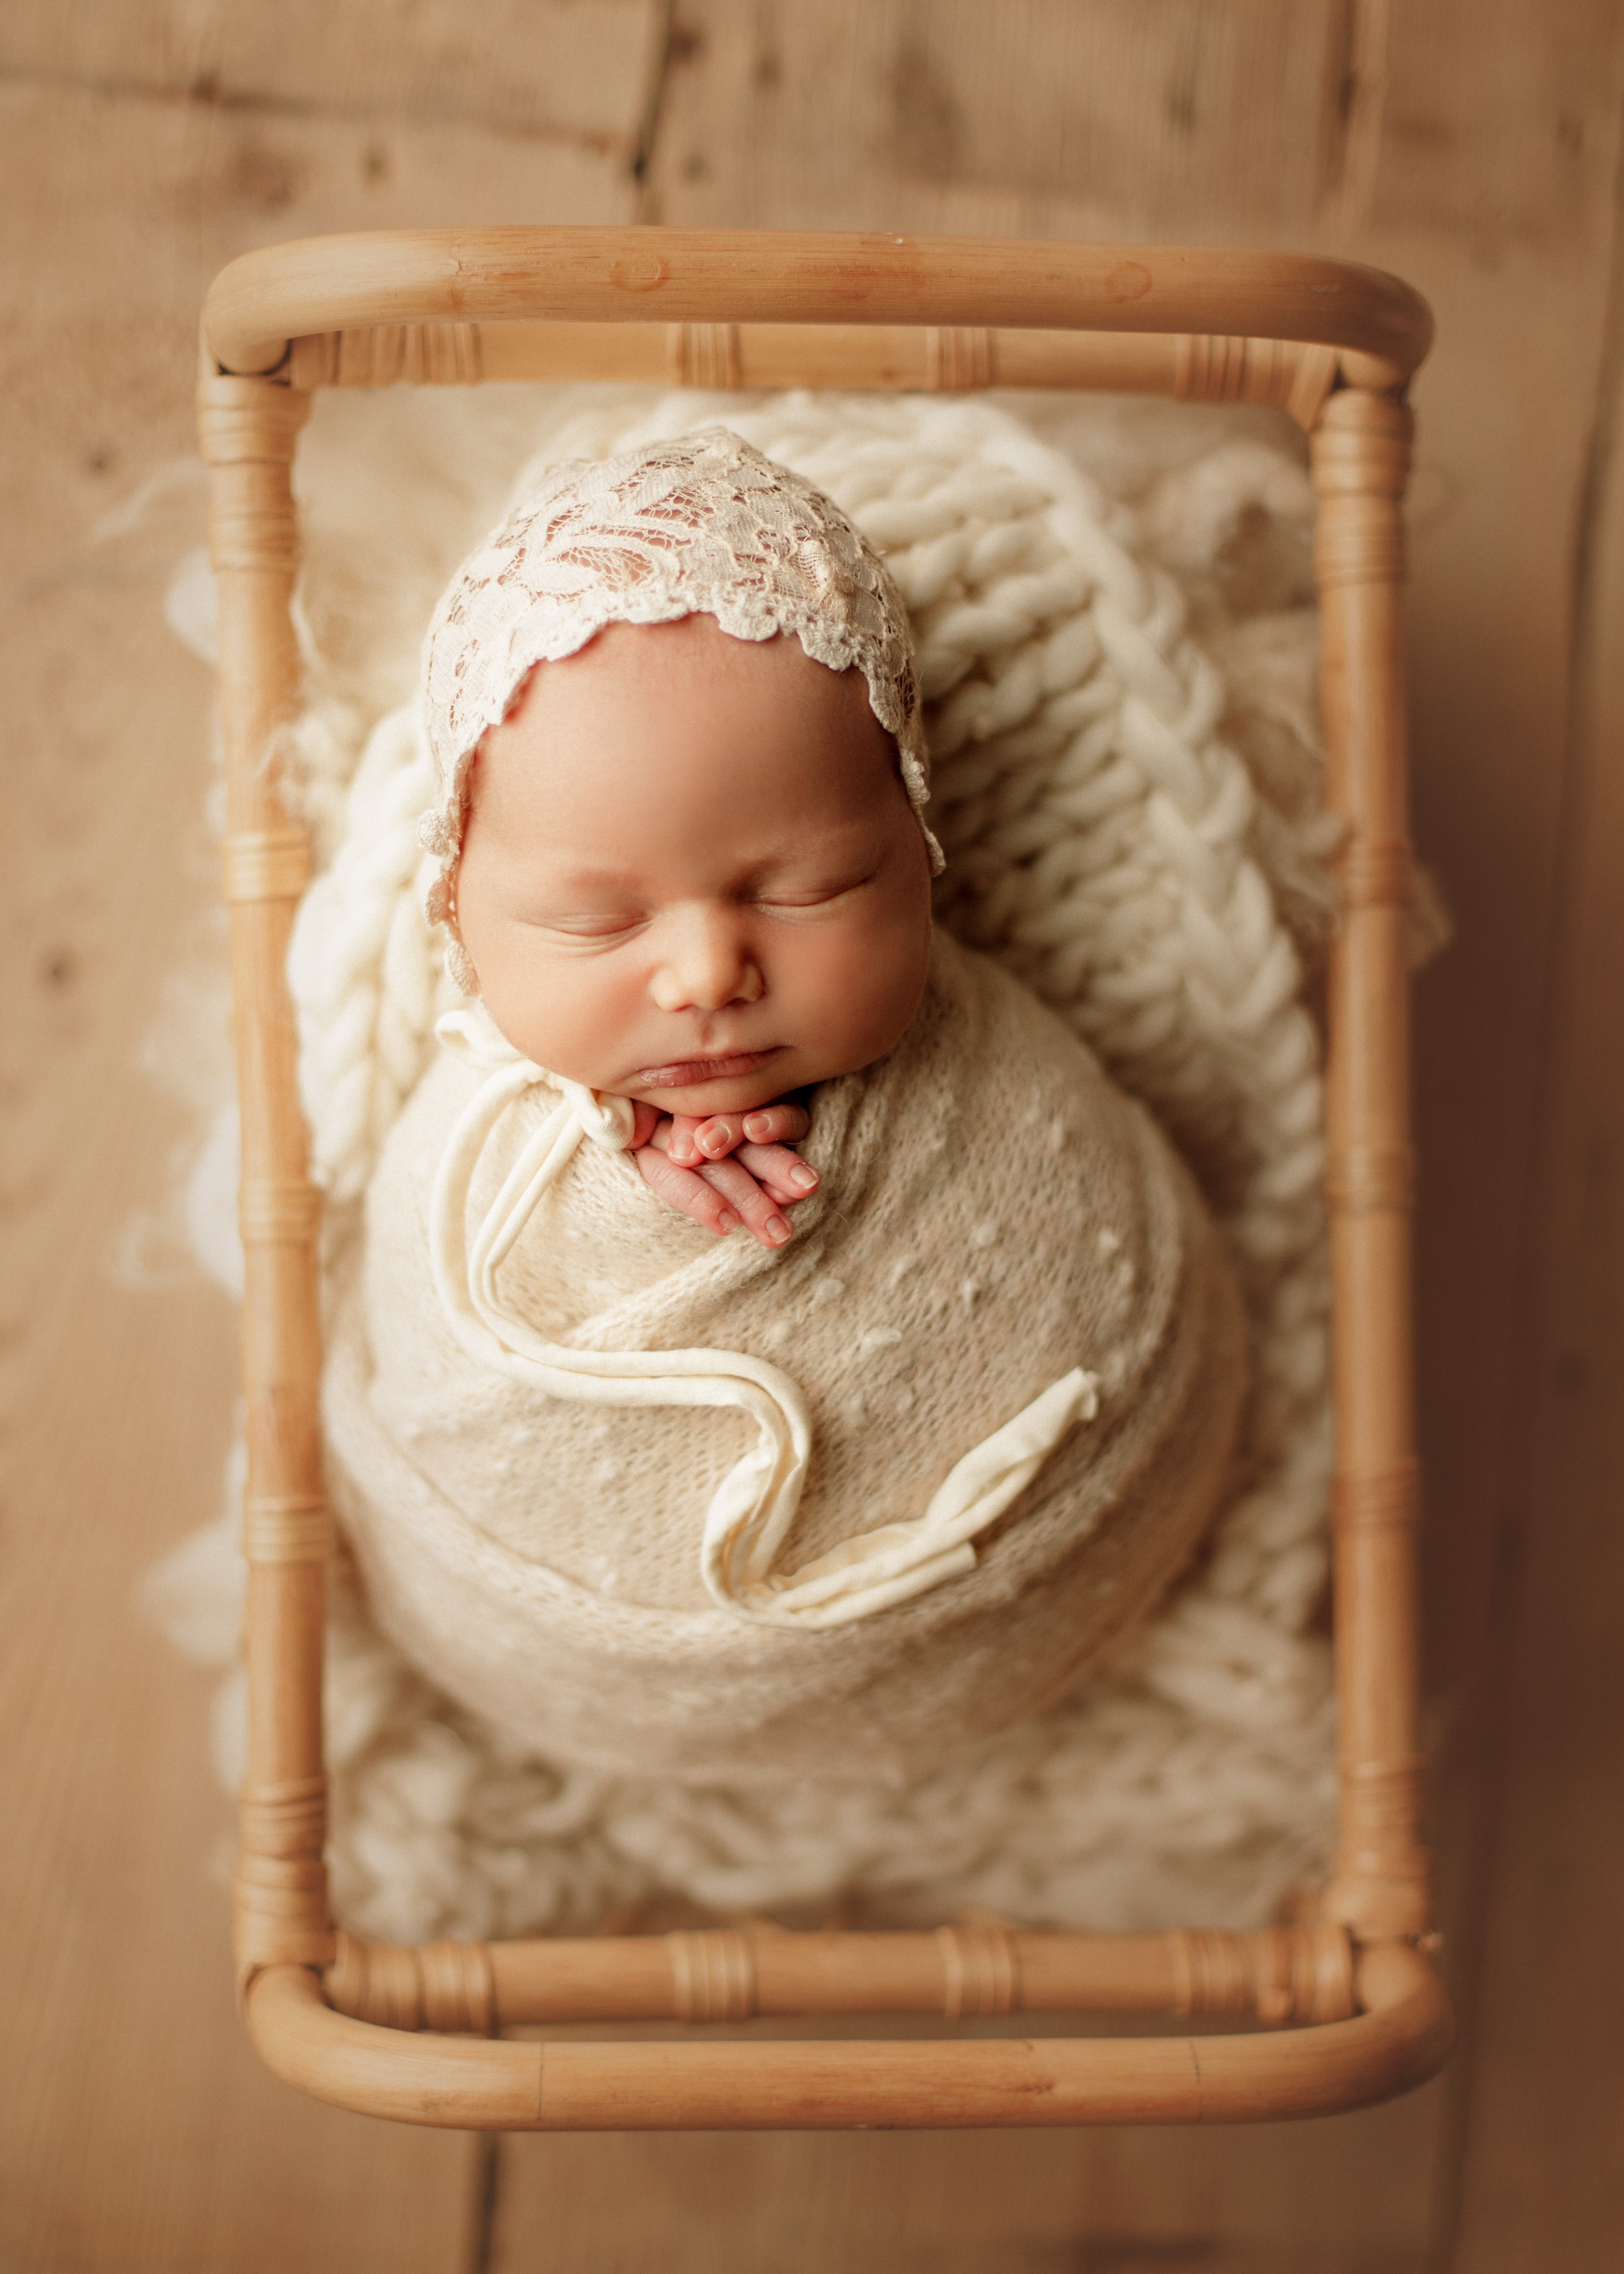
690	873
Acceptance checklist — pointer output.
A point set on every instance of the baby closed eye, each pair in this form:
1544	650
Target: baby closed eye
608	927
590	928
810	899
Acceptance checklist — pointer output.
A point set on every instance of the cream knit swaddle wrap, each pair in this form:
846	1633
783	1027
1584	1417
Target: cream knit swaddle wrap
756	1502
993	1215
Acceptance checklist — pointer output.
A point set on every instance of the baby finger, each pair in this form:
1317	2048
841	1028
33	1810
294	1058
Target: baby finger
782	1124
687	1194
681	1132
785	1174
757	1208
720	1135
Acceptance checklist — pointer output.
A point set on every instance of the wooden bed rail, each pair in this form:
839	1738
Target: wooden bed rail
1367	2014
448	276
1401	2035
1290	375
1280	1977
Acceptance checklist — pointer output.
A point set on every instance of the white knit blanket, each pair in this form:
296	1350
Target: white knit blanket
1138	836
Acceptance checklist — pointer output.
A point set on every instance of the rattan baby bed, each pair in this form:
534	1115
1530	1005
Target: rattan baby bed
1354	2007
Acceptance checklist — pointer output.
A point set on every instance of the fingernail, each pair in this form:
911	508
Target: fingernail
713	1142
776	1230
758	1125
681	1151
727	1222
803	1178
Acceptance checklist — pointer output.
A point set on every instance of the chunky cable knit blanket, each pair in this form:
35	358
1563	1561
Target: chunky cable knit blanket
1132	828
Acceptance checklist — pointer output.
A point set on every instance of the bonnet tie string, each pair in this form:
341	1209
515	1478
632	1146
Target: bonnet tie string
753	1507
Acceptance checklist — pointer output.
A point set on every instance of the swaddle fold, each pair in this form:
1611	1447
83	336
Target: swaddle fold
655	1501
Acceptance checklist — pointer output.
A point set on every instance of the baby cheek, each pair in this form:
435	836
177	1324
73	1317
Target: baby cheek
855	990
604	1001
566	1014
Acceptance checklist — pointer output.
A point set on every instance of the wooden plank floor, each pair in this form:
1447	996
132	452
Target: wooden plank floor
1542	2178
1474	151
136	2129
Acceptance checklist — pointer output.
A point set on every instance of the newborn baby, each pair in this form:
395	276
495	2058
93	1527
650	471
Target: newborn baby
733	900
633	1463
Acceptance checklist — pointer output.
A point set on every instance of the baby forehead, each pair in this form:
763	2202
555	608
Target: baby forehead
675	740
688	694
697	649
669	847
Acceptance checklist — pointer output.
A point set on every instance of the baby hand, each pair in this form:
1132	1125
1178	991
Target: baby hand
694	1142
728	1169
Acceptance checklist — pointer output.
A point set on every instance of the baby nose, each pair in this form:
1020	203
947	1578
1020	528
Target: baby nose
707	963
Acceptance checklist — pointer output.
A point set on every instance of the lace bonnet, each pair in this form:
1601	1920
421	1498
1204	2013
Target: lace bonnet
704	525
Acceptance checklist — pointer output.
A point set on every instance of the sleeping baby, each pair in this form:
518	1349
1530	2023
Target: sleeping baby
776	1347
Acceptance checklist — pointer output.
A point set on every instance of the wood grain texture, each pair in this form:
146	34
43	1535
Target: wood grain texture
1283	1975
605	2080
1316	2198
1543	2177
266	299
1129	117
138	2131
1496	121
527	69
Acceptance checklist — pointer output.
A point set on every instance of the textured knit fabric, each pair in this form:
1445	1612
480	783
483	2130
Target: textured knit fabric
993	1214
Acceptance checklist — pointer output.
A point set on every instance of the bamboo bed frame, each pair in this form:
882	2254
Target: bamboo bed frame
1344	2011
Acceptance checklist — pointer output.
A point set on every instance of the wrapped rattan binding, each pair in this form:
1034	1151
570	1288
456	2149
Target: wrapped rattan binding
1352	2006
1288	375
973	1970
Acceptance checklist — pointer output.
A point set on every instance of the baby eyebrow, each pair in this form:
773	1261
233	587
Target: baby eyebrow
823	854
566	883
555	911
812	861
